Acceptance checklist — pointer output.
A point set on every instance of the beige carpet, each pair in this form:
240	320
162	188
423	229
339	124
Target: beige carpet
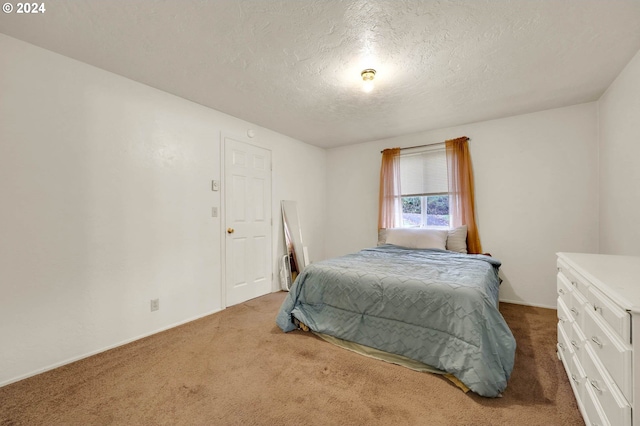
237	367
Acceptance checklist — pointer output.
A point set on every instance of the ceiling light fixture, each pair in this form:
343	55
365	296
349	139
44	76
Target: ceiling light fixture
367	78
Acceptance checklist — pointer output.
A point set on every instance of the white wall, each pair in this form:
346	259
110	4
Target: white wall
619	127
106	204
536	193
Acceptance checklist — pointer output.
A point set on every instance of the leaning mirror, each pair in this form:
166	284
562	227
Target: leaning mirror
293	260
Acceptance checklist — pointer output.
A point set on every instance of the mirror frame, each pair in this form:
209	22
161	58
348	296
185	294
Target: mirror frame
293	261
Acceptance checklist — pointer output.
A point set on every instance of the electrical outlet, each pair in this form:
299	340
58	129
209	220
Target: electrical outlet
155	304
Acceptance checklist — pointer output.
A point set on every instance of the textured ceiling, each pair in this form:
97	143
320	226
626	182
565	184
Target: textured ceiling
294	66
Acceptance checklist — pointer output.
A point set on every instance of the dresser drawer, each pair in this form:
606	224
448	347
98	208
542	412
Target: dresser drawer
604	393
573	367
595	414
614	316
564	345
576	280
564	269
577	340
578	305
564	318
564	288
580	283
578	377
614	355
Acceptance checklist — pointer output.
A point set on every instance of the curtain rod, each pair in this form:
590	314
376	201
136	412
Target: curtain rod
422	146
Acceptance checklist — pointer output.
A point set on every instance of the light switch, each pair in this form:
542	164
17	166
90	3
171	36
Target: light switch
215	185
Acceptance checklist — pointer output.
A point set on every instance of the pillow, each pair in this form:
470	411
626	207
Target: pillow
382	236
418	238
457	239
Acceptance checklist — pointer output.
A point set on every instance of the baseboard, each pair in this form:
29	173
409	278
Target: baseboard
536	305
87	355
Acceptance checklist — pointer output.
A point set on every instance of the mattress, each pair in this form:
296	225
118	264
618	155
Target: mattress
434	306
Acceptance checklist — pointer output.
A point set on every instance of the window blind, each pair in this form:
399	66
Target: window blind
424	173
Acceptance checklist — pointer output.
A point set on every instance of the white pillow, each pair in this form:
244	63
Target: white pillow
457	239
418	238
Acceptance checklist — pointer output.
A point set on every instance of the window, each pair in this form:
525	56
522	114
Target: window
425	188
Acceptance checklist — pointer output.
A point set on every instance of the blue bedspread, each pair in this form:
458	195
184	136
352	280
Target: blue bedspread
434	306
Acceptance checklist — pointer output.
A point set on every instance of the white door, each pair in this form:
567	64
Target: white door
248	266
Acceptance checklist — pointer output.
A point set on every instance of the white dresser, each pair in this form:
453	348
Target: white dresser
599	335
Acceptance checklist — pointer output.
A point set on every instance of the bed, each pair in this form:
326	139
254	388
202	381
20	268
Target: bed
431	305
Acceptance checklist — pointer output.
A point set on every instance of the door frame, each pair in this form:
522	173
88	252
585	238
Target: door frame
223	211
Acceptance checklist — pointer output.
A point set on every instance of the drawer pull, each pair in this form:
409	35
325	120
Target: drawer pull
595	340
573	283
597	308
562	319
575	311
561	291
594	384
574	344
561	345
576	381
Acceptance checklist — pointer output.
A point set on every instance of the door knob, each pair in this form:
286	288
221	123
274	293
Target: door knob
230	230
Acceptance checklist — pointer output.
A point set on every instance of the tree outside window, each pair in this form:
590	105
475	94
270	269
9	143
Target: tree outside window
426	211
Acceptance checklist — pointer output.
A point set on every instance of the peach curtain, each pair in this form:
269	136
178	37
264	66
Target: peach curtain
461	191
390	209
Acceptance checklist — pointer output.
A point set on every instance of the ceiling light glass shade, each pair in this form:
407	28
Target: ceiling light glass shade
368	86
367	79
